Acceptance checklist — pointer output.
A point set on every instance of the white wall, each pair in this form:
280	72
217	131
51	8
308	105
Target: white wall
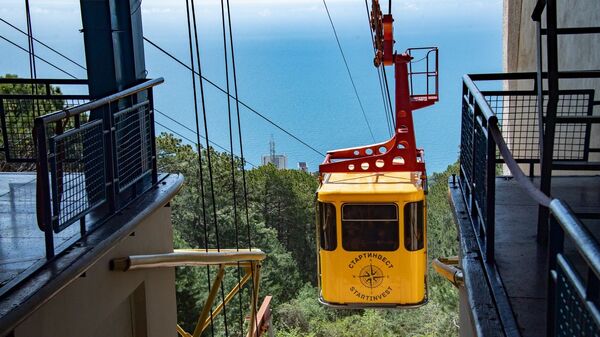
576	52
111	303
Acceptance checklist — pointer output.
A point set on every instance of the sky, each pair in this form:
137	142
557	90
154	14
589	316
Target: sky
288	65
58	21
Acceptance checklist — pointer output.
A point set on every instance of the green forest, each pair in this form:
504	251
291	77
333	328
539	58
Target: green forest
281	217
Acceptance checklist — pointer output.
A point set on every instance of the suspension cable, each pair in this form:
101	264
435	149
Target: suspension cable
387	108
237	107
164	51
389	97
348	70
84	68
39	58
43	44
199	149
232	160
239	125
208	153
32	68
215	144
174	58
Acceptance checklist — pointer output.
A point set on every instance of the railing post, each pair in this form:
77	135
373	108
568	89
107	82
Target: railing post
555	246
5	146
553	79
56	181
152	135
462	131
539	86
472	186
109	142
43	189
490	199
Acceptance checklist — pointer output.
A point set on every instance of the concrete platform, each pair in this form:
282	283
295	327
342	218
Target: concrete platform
29	279
520	260
22	243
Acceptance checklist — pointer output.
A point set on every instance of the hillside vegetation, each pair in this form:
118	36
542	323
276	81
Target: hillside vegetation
281	216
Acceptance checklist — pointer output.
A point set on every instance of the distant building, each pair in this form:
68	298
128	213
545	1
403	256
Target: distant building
302	166
279	160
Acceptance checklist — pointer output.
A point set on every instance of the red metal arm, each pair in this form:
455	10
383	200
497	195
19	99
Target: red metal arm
399	153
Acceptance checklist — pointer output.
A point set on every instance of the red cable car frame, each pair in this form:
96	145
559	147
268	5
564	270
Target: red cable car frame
400	153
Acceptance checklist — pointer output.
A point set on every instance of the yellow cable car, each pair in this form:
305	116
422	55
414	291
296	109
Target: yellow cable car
371	205
366	257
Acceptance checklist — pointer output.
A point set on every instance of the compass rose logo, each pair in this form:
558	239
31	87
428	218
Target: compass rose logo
371	276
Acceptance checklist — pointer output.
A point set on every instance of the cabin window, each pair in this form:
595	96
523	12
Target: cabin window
327	226
370	227
413	226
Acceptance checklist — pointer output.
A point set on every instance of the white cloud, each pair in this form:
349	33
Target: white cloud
264	12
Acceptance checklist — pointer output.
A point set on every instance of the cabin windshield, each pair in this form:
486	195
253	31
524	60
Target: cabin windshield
370	227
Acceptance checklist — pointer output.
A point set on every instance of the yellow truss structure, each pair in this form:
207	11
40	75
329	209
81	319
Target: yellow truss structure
248	259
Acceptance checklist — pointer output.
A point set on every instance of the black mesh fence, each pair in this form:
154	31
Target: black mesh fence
77	169
480	170
17	117
575	315
518	119
466	144
134	140
93	159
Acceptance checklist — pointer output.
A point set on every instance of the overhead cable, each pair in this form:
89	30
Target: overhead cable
349	73
388	110
39	58
240	102
43	44
193	132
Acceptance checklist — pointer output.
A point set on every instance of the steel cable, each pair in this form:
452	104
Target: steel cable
245	190
388	111
348	70
232	168
174	58
38	57
43	44
192	131
200	169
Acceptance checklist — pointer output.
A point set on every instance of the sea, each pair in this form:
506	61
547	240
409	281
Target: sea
288	68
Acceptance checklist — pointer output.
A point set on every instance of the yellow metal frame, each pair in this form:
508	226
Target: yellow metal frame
448	268
247	259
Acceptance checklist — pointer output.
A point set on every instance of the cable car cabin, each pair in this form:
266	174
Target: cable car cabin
371	207
372	236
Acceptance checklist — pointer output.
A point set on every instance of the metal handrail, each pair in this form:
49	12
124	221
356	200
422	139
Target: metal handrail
563	220
248	259
50	188
583	239
514	168
487	111
66	113
187	257
532	75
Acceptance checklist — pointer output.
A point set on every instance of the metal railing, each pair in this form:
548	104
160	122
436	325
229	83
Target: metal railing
96	161
423	73
23	100
487	116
